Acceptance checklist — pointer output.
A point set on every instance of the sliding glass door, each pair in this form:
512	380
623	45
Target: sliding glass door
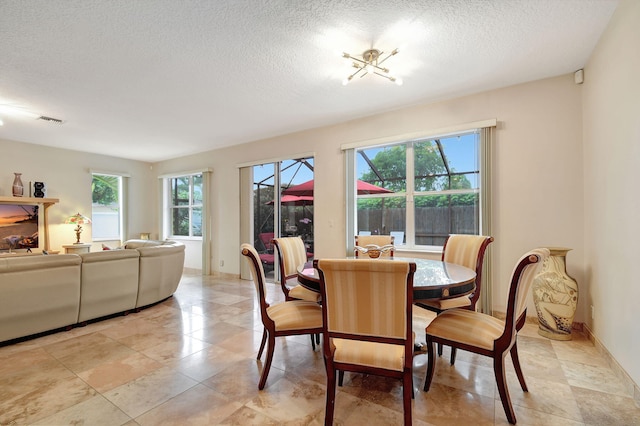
282	205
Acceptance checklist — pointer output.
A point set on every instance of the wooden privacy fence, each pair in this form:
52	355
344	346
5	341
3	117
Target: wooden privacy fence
433	224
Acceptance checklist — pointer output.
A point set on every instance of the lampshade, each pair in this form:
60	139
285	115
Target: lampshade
78	220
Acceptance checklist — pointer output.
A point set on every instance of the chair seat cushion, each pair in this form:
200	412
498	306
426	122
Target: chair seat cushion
442	305
468	327
296	315
302	293
371	354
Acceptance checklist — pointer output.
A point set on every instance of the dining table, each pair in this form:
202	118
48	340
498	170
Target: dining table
433	279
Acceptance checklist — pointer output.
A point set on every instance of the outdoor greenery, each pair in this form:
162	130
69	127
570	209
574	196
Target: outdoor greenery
186	201
104	190
431	175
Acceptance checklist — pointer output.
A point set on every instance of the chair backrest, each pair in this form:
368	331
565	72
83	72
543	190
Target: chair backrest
291	253
467	250
265	239
526	269
257	273
367	299
379	240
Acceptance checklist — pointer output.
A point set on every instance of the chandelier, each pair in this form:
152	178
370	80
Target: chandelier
371	64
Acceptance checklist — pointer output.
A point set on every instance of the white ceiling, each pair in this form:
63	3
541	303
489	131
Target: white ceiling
158	79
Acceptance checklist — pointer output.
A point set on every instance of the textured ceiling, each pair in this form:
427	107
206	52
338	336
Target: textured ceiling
157	79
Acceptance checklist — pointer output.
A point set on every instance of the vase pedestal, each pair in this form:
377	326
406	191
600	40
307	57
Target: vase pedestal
555	295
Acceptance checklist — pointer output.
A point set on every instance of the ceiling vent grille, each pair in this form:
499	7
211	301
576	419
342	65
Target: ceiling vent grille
50	119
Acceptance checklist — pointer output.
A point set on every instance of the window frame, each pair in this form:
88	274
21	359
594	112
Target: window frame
485	130
121	207
191	205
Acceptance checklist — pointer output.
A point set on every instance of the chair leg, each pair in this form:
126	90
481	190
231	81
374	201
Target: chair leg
331	395
340	377
501	380
267	363
453	355
431	361
264	340
407	395
516	366
439	349
313	342
317	338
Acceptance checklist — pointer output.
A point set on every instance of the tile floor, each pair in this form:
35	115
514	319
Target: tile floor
191	360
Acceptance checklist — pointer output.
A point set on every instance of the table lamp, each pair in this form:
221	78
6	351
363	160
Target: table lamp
78	220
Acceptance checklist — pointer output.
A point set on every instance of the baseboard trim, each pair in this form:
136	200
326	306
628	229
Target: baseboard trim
615	366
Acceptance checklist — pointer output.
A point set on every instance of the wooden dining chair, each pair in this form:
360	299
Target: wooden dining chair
378	240
468	251
283	319
366	309
485	335
292	253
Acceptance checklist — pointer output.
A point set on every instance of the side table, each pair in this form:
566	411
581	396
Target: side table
76	248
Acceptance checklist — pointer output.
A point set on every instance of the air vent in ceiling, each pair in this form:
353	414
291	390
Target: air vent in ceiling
50	119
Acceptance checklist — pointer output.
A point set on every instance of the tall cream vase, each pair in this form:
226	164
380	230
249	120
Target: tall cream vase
555	295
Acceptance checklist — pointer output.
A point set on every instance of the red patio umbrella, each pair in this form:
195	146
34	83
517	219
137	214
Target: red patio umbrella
294	200
306	189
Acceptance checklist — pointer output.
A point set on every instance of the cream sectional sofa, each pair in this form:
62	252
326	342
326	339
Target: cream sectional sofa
42	293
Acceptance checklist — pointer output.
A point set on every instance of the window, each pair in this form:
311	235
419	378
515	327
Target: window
185	206
432	189
106	207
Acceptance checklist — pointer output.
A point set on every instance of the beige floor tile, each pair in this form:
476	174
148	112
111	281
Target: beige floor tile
444	405
96	411
207	362
192	360
600	408
111	374
147	392
287	401
198	405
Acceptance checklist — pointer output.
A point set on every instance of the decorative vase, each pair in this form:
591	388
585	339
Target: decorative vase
555	295
18	188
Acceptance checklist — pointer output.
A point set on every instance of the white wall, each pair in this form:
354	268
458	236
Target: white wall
67	177
612	194
538	173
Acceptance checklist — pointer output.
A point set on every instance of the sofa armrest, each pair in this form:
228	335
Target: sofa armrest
160	272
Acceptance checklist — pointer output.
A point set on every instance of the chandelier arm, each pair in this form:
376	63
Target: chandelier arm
388	77
360	60
395	51
356	73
